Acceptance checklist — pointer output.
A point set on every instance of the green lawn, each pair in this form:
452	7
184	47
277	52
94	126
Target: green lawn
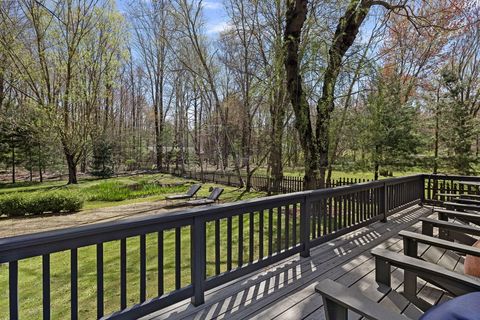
105	193
115	191
30	269
101	193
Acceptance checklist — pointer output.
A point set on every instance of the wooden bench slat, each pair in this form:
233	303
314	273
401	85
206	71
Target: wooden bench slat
352	299
452	226
440	243
448	280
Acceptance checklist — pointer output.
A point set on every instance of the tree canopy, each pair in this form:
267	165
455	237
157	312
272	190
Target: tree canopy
100	86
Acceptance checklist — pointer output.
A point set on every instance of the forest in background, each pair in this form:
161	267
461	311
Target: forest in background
358	85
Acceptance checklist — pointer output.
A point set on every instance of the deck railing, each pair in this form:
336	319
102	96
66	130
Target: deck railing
436	186
180	255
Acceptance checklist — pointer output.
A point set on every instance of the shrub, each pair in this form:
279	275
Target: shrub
38	203
13	205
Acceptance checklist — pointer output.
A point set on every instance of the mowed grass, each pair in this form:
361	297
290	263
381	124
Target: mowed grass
101	193
124	190
30	276
105	193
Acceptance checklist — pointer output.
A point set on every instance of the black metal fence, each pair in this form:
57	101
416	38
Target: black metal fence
217	244
259	182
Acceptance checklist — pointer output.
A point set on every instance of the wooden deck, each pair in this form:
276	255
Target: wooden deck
286	290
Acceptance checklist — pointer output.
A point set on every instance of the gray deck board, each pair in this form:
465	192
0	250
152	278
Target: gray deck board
286	290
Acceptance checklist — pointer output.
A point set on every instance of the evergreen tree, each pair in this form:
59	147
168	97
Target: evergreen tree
102	158
459	131
389	126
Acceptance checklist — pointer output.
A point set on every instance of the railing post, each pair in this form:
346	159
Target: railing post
384	202
422	189
305	228
198	256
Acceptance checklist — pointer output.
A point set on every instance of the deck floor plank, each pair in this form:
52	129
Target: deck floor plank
285	290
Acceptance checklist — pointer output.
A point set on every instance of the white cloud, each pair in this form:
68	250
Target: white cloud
221	26
212	5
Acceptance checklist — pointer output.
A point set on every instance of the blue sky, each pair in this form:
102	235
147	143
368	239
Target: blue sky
213	10
215	16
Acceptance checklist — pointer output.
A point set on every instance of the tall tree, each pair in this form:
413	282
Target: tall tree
64	64
150	21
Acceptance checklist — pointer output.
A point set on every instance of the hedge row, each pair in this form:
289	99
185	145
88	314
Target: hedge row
20	204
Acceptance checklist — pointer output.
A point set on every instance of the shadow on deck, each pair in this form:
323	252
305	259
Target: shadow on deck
285	290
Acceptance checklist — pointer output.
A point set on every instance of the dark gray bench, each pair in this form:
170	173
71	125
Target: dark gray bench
451	281
458	215
192	191
450	230
458	195
467	201
338	299
449	205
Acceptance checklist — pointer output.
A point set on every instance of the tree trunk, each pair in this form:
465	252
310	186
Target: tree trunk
477	145
376	162
30	165
275	161
435	160
323	143
277	115
437	131
295	18
40	173
158	145
72	168
345	34
13	163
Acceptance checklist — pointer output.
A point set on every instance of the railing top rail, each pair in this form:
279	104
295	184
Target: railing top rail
63	239
107	231
452	177
335	191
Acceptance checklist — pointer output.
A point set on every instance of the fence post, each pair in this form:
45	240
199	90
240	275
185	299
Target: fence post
198	256
305	228
384	202
422	190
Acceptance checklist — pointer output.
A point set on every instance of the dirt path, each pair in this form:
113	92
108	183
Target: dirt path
14	227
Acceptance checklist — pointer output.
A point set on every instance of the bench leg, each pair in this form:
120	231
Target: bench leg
382	271
334	311
427	228
442	232
409	284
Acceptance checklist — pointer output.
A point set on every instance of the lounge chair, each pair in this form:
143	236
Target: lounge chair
192	191
216	192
